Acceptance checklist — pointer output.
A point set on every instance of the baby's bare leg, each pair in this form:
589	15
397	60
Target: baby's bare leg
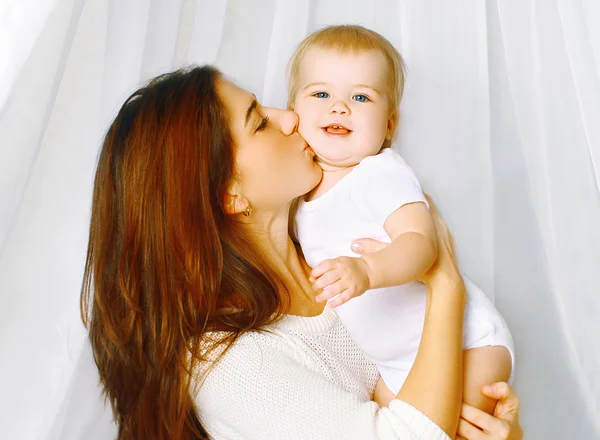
382	395
484	366
481	366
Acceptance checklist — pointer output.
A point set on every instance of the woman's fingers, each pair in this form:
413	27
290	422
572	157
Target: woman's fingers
476	416
508	401
500	390
445	268
485	422
468	431
441	228
507	407
367	245
504	424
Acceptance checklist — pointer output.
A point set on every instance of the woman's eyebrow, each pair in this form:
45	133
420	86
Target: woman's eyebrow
253	105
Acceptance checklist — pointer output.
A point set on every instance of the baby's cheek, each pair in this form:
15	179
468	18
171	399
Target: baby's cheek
307	131
304	117
319	145
376	134
302	125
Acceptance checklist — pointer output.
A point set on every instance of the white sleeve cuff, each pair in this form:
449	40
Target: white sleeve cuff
421	426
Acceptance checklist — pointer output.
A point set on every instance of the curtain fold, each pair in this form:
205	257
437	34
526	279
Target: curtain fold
499	120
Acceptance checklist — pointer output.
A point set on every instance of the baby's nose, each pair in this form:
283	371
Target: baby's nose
340	107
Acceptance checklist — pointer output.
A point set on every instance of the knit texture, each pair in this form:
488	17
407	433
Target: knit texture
303	379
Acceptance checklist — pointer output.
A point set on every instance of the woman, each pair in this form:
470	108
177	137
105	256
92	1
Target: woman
203	321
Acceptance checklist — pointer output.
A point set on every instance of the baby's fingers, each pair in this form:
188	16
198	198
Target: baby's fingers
330	292
327	279
322	267
342	298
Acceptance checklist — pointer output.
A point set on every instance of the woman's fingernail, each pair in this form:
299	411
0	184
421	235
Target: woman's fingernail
357	247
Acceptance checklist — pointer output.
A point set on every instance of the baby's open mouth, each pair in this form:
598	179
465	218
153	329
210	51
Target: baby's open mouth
336	129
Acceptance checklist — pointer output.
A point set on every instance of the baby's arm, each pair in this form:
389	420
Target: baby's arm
412	251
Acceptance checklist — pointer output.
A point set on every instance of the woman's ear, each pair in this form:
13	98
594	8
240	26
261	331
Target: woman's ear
235	203
391	126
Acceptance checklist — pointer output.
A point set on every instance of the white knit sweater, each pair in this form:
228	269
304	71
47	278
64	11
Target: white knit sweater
305	379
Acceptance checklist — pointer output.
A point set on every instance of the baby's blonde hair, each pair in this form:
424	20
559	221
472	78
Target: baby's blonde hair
350	39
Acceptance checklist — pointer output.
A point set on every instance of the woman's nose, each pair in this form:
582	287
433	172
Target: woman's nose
285	120
340	108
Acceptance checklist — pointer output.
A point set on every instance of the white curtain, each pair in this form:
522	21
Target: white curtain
500	120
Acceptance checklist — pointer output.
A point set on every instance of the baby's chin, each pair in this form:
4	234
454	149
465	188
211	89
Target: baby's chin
333	163
334	155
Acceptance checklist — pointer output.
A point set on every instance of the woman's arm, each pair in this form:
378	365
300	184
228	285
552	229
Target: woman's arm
434	383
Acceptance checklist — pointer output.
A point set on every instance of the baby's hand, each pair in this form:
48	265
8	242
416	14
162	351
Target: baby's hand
346	276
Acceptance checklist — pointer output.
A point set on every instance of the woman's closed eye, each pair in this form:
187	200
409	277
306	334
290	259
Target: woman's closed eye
263	124
361	98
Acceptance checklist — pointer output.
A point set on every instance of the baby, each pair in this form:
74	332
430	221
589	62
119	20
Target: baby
345	83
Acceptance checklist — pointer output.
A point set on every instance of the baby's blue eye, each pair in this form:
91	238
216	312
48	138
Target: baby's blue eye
360	98
322	95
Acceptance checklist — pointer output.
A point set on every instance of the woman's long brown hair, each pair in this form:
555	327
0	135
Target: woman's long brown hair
165	263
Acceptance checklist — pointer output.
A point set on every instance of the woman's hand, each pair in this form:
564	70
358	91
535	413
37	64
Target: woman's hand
445	268
475	424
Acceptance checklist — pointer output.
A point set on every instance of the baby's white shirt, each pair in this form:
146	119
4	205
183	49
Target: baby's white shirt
385	323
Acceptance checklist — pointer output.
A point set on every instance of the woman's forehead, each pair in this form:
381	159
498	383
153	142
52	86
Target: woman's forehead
236	100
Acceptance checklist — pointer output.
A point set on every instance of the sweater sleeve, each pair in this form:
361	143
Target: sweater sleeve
257	391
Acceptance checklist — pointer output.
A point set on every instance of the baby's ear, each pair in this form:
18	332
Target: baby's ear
391	126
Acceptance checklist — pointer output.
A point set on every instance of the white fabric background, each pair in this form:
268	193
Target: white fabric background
501	121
